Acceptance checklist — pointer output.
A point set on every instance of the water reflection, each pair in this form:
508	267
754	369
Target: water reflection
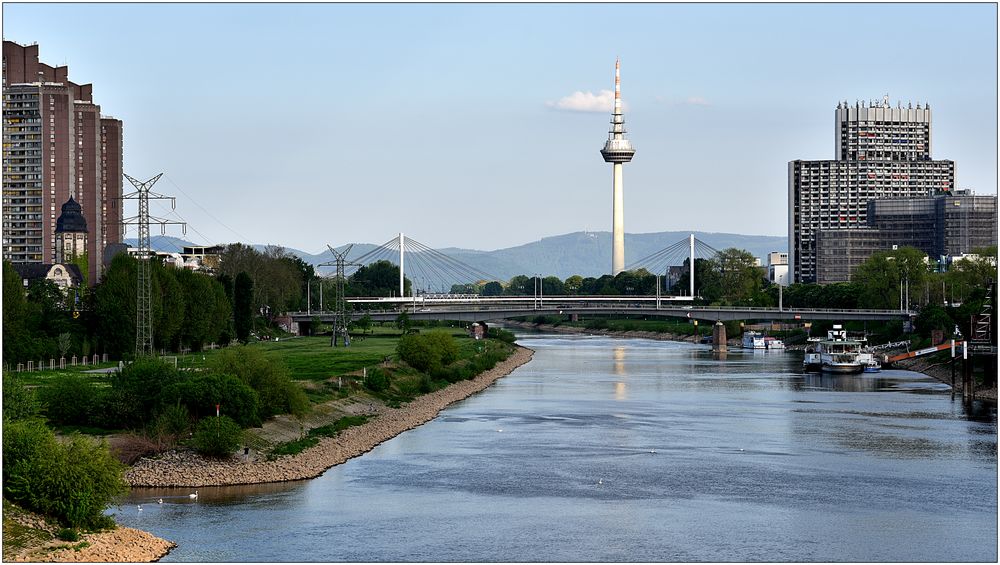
619	355
692	458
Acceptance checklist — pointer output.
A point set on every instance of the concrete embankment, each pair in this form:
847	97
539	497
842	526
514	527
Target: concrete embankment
186	469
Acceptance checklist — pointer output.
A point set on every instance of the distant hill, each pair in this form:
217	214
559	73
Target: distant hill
580	253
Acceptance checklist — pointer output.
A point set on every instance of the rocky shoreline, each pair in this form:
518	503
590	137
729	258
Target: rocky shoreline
187	469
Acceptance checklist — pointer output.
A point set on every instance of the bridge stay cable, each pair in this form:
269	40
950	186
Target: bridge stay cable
427	266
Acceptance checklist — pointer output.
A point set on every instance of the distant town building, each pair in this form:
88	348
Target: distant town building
777	268
56	145
65	276
881	152
207	258
942	226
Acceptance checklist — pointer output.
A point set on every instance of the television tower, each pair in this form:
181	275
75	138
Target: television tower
617	150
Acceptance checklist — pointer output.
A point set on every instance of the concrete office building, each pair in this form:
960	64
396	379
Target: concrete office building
56	145
942	226
881	152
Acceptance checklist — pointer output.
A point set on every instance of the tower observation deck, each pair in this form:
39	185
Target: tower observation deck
617	150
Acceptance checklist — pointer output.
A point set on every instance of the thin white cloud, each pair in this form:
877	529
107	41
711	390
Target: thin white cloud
585	102
697	101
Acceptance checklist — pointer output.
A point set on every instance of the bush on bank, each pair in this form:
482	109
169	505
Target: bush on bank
217	436
72	481
428	352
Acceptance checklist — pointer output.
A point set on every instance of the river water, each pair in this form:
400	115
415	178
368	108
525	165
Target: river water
605	449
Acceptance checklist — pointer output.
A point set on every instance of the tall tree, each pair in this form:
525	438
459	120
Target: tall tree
886	274
243	306
114	306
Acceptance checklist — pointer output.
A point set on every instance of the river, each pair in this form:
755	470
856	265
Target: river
604	449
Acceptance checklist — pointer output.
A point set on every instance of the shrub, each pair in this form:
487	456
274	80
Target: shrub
217	436
377	380
72	481
428	352
276	391
69	399
416	351
137	390
68	534
204	391
19	401
443	345
501	334
174	420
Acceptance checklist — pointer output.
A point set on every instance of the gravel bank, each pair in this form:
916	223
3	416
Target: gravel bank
187	469
121	545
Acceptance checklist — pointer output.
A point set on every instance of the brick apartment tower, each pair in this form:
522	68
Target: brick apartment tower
56	144
882	152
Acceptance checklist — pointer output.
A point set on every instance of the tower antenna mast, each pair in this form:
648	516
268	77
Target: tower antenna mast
617	150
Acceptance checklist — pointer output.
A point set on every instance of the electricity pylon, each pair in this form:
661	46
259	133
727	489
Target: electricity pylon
340	316
143	315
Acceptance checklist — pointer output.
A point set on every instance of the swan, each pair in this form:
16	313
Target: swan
193	495
160	501
139	507
600	481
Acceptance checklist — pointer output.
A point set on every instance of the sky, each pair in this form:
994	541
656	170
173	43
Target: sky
480	125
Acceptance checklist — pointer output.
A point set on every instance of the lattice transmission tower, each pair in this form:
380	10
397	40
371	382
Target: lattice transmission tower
340	315
143	313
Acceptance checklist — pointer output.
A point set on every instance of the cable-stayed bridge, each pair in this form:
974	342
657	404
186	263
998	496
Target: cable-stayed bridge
430	271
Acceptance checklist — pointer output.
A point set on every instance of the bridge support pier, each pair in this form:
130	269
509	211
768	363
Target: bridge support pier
719	337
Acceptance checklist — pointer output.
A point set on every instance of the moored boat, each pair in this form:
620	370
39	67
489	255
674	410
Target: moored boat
753	340
773	343
838	354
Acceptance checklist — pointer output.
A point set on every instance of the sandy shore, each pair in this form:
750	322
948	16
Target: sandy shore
121	545
187	469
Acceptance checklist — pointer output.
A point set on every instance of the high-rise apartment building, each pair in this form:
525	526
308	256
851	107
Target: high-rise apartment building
881	152
56	145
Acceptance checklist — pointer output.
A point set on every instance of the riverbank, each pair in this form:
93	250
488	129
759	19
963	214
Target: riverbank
30	538
939	371
942	372
188	469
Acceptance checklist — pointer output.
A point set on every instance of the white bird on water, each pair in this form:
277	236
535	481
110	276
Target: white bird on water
500	430
652	451
193	495
160	501
600	481
139	507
